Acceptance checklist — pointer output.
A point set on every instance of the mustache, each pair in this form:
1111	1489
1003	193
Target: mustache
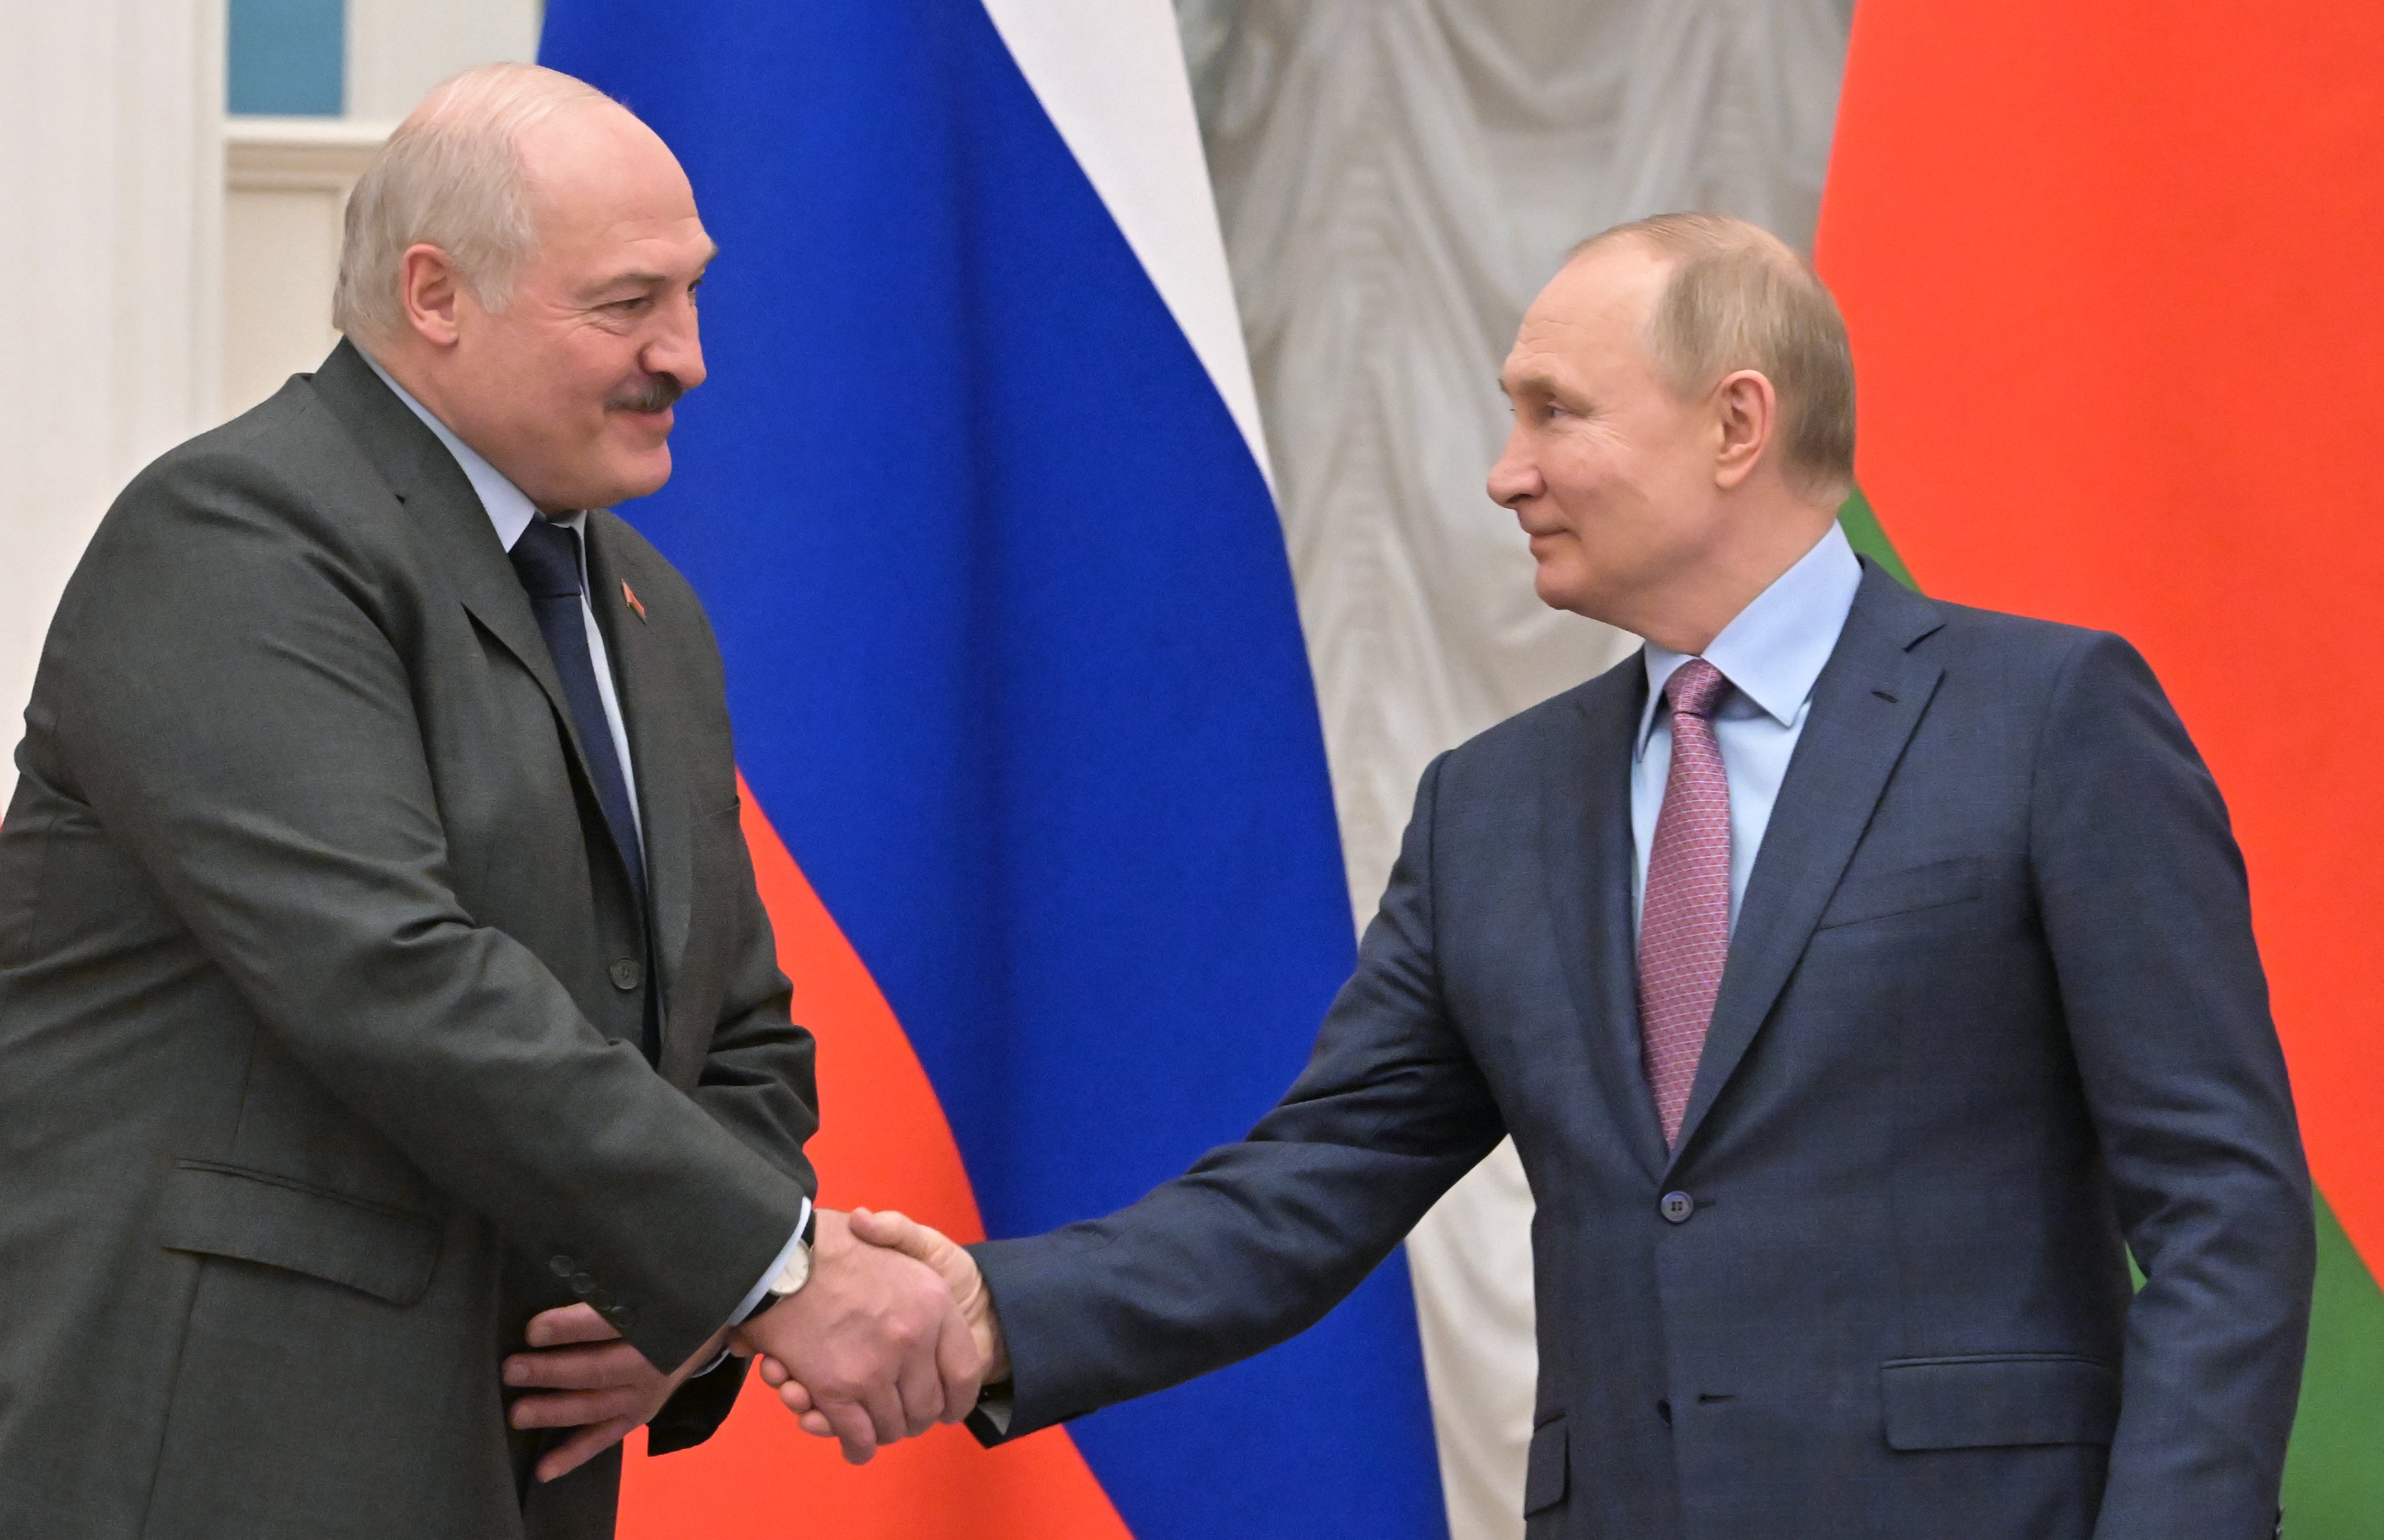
656	395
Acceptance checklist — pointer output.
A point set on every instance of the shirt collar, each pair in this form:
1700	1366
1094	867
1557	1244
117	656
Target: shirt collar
508	507
1774	649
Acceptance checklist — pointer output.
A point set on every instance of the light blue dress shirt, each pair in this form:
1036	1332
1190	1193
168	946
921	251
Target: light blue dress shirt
510	509
1771	654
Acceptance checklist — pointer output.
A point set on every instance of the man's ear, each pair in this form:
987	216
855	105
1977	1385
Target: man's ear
1748	412
429	287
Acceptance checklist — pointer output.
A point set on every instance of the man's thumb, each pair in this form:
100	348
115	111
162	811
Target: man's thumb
894	1230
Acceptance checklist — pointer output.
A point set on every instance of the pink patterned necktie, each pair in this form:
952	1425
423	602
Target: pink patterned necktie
1685	920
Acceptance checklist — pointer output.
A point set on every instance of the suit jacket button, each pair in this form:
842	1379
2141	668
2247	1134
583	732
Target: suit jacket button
622	1316
583	1283
562	1267
627	974
1676	1207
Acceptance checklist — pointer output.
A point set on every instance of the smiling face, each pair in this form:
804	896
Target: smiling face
567	389
1610	475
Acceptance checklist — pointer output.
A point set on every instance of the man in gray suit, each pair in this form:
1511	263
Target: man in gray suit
1862	977
380	965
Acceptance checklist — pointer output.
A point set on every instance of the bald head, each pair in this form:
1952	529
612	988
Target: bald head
1735	297
455	175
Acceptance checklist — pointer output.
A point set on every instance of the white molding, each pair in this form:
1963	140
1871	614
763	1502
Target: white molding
317	154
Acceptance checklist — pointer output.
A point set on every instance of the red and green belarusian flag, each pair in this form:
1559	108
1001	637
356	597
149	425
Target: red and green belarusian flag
2115	274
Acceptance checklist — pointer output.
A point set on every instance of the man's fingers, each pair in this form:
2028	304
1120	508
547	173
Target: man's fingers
552	1328
961	1367
895	1231
581	1448
883	1404
816	1425
852	1428
584	1368
920	1386
773	1373
573	1409
878	1226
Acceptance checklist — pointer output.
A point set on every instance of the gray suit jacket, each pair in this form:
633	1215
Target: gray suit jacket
1992	1018
320	1011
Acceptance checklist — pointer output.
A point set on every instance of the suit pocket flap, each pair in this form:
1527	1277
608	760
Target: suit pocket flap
1896	893
2009	1398
226	1211
1545	1477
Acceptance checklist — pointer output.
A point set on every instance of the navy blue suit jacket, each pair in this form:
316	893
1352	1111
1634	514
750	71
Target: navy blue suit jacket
1993	1017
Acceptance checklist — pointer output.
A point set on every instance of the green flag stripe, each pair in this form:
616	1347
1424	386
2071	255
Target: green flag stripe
1863	532
2334	1472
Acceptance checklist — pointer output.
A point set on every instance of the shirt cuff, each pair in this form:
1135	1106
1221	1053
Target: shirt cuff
752	1300
991	1418
746	1306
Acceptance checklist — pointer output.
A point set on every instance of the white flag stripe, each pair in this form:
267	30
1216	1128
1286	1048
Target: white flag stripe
1111	74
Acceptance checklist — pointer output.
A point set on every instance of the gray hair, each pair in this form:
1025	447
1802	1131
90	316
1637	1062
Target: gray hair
450	176
1739	298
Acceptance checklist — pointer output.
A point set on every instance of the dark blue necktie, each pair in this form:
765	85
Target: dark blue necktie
546	558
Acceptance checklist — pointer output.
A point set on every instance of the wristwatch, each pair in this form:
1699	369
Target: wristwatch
797	1272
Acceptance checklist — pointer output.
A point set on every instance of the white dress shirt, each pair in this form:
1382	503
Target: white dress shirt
510	509
1771	653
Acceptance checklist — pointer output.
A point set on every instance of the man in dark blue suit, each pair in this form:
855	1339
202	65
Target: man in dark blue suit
1862	977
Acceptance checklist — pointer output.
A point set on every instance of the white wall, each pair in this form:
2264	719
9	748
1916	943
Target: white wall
398	49
110	171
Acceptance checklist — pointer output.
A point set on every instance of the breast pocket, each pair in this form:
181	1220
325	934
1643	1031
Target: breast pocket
1904	891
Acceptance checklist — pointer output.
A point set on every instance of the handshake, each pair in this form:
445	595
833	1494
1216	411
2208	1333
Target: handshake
893	1333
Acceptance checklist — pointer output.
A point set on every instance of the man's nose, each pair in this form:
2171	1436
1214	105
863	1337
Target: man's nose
1515	476
677	350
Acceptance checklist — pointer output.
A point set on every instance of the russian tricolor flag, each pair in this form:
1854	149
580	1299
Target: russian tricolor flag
1037	792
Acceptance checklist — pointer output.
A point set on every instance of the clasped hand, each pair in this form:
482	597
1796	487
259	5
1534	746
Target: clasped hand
875	1343
815	1402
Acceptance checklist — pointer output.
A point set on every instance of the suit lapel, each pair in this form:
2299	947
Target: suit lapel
439	496
1866	704
647	711
1589	856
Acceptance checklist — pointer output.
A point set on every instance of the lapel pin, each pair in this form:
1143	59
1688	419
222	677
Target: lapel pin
631	595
